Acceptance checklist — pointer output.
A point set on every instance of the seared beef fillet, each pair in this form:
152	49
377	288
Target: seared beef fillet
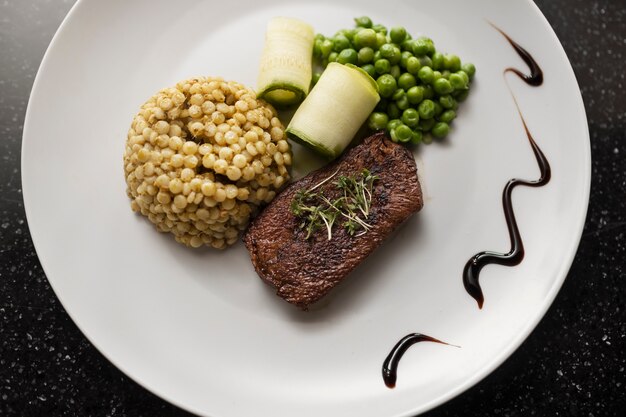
303	271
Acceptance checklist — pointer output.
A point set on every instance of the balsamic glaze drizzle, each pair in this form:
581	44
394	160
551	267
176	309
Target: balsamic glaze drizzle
535	78
473	266
390	366
472	269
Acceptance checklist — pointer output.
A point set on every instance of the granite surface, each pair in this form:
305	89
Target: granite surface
573	364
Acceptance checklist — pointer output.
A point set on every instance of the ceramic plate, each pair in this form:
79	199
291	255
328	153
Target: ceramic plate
198	327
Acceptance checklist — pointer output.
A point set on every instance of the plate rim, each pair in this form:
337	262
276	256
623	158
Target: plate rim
474	379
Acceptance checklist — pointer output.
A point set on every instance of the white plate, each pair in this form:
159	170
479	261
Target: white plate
198	327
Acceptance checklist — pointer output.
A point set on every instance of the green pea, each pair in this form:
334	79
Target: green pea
413	65
415	94
403	102
469	69
393	111
426	75
437	59
426	109
381	39
430	45
396	56
332	57
427	139
410	117
447	102
403	133
363	22
440	129
463	76
386	85
436	75
365	55
382	66
452	62
340	42
426	124
445	74
391	53
404	58
416	137
425	61
420	47
365	37
393	123
442	86
406	81
395	71
377	121
407	45
397	34
326	48
399	93
369	68
387	50
447	116
315	78
456	81
380	29
431	48
377	56
348	56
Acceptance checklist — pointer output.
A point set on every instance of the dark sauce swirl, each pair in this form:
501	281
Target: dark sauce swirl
535	78
390	366
473	267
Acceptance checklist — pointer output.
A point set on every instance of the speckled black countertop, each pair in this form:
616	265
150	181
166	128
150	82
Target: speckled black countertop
573	364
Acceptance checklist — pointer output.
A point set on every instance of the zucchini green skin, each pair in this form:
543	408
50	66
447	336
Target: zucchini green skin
286	62
281	86
304	140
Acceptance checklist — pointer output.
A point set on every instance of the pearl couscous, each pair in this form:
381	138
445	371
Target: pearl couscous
202	157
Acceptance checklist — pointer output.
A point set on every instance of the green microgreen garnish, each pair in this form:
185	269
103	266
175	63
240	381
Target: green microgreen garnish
352	206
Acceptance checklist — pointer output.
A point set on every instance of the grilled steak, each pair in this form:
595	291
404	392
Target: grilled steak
304	270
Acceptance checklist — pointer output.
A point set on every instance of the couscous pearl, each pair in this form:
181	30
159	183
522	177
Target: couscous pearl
175	143
220	166
190	148
233	173
231	191
239	161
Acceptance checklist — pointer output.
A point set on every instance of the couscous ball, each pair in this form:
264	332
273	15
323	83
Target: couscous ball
202	157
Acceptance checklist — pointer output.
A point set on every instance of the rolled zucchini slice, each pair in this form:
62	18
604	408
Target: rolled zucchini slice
286	69
334	110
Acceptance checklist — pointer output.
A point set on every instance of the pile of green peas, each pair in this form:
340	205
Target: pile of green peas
420	88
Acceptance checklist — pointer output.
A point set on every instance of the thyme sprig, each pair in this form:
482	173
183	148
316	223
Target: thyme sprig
353	206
